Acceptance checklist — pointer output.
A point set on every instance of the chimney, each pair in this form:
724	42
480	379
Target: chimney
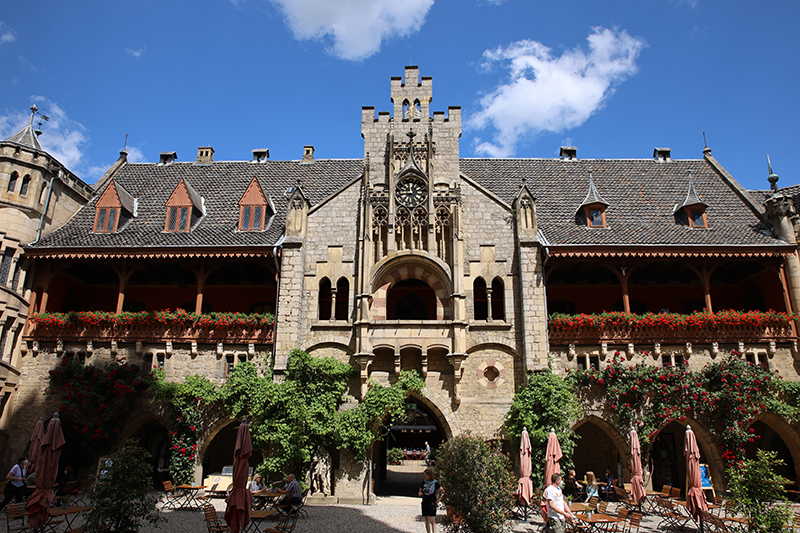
308	155
205	155
568	153
662	154
260	155
167	158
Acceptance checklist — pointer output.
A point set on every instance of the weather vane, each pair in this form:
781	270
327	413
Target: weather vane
42	117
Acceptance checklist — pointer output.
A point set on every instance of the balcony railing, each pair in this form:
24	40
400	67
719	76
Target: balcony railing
623	328
148	326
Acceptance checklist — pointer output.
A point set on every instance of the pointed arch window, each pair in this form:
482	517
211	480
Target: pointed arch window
26	183
498	300
479	299
325	299
12	182
342	298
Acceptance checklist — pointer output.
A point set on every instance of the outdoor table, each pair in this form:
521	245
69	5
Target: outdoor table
69	514
190	492
598	520
256	517
577	507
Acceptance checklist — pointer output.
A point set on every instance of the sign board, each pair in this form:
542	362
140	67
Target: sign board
705	478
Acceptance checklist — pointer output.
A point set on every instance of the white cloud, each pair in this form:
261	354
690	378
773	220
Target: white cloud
356	27
63	138
27	64
137	53
7	35
135	155
549	93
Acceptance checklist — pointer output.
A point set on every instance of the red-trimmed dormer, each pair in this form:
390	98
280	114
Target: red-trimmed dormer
184	207
114	207
254	209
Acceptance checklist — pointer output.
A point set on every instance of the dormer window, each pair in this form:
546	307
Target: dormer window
592	210
595	215
692	211
254	210
184	207
113	209
697	216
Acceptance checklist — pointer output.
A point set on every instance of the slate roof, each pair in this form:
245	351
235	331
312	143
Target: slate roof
793	192
641	194
221	184
26	137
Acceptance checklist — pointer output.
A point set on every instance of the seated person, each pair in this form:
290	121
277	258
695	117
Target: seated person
294	494
572	487
591	485
63	489
608	488
257	486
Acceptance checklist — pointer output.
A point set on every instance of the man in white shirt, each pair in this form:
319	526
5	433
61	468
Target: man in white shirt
557	511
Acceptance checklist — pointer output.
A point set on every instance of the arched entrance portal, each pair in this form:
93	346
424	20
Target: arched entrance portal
409	433
766	438
599	447
219	453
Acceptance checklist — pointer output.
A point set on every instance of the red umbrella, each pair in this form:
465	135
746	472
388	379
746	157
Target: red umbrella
35	448
552	456
695	499
637	483
46	471
237	513
525	485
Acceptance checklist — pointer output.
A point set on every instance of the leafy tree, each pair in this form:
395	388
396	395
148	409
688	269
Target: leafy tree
759	493
548	401
121	497
477	484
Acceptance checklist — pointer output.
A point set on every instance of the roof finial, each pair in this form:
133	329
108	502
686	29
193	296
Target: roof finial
772	178
42	116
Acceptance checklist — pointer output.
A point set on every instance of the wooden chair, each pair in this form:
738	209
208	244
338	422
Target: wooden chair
213	521
286	523
675	494
592	503
666	490
621	527
16	511
171	496
634	521
81	497
669	516
208	494
602	507
299	507
624	499
712	523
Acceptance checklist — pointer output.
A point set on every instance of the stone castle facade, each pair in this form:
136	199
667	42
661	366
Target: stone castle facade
412	258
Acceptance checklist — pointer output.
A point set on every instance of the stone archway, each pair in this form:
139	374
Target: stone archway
788	438
666	460
601	446
407	266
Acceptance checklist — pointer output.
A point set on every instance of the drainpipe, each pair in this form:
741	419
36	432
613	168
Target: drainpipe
275	250
46	206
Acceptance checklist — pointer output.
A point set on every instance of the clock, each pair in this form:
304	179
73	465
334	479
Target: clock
411	192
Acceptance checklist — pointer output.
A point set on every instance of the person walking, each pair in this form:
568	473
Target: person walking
427	453
431	493
557	511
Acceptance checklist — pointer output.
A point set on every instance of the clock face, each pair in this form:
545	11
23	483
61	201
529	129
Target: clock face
411	192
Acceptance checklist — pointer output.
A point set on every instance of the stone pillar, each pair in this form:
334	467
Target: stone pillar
780	212
352	483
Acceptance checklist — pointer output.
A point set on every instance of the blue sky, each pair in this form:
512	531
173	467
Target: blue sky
614	78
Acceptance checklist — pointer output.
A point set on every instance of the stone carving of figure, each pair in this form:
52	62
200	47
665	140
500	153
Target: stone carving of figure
321	472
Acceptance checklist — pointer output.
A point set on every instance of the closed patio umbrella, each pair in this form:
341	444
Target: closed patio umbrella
36	445
525	485
637	483
46	471
551	465
695	499
237	512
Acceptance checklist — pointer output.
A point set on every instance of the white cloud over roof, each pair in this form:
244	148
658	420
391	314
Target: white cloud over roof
356	27
549	93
